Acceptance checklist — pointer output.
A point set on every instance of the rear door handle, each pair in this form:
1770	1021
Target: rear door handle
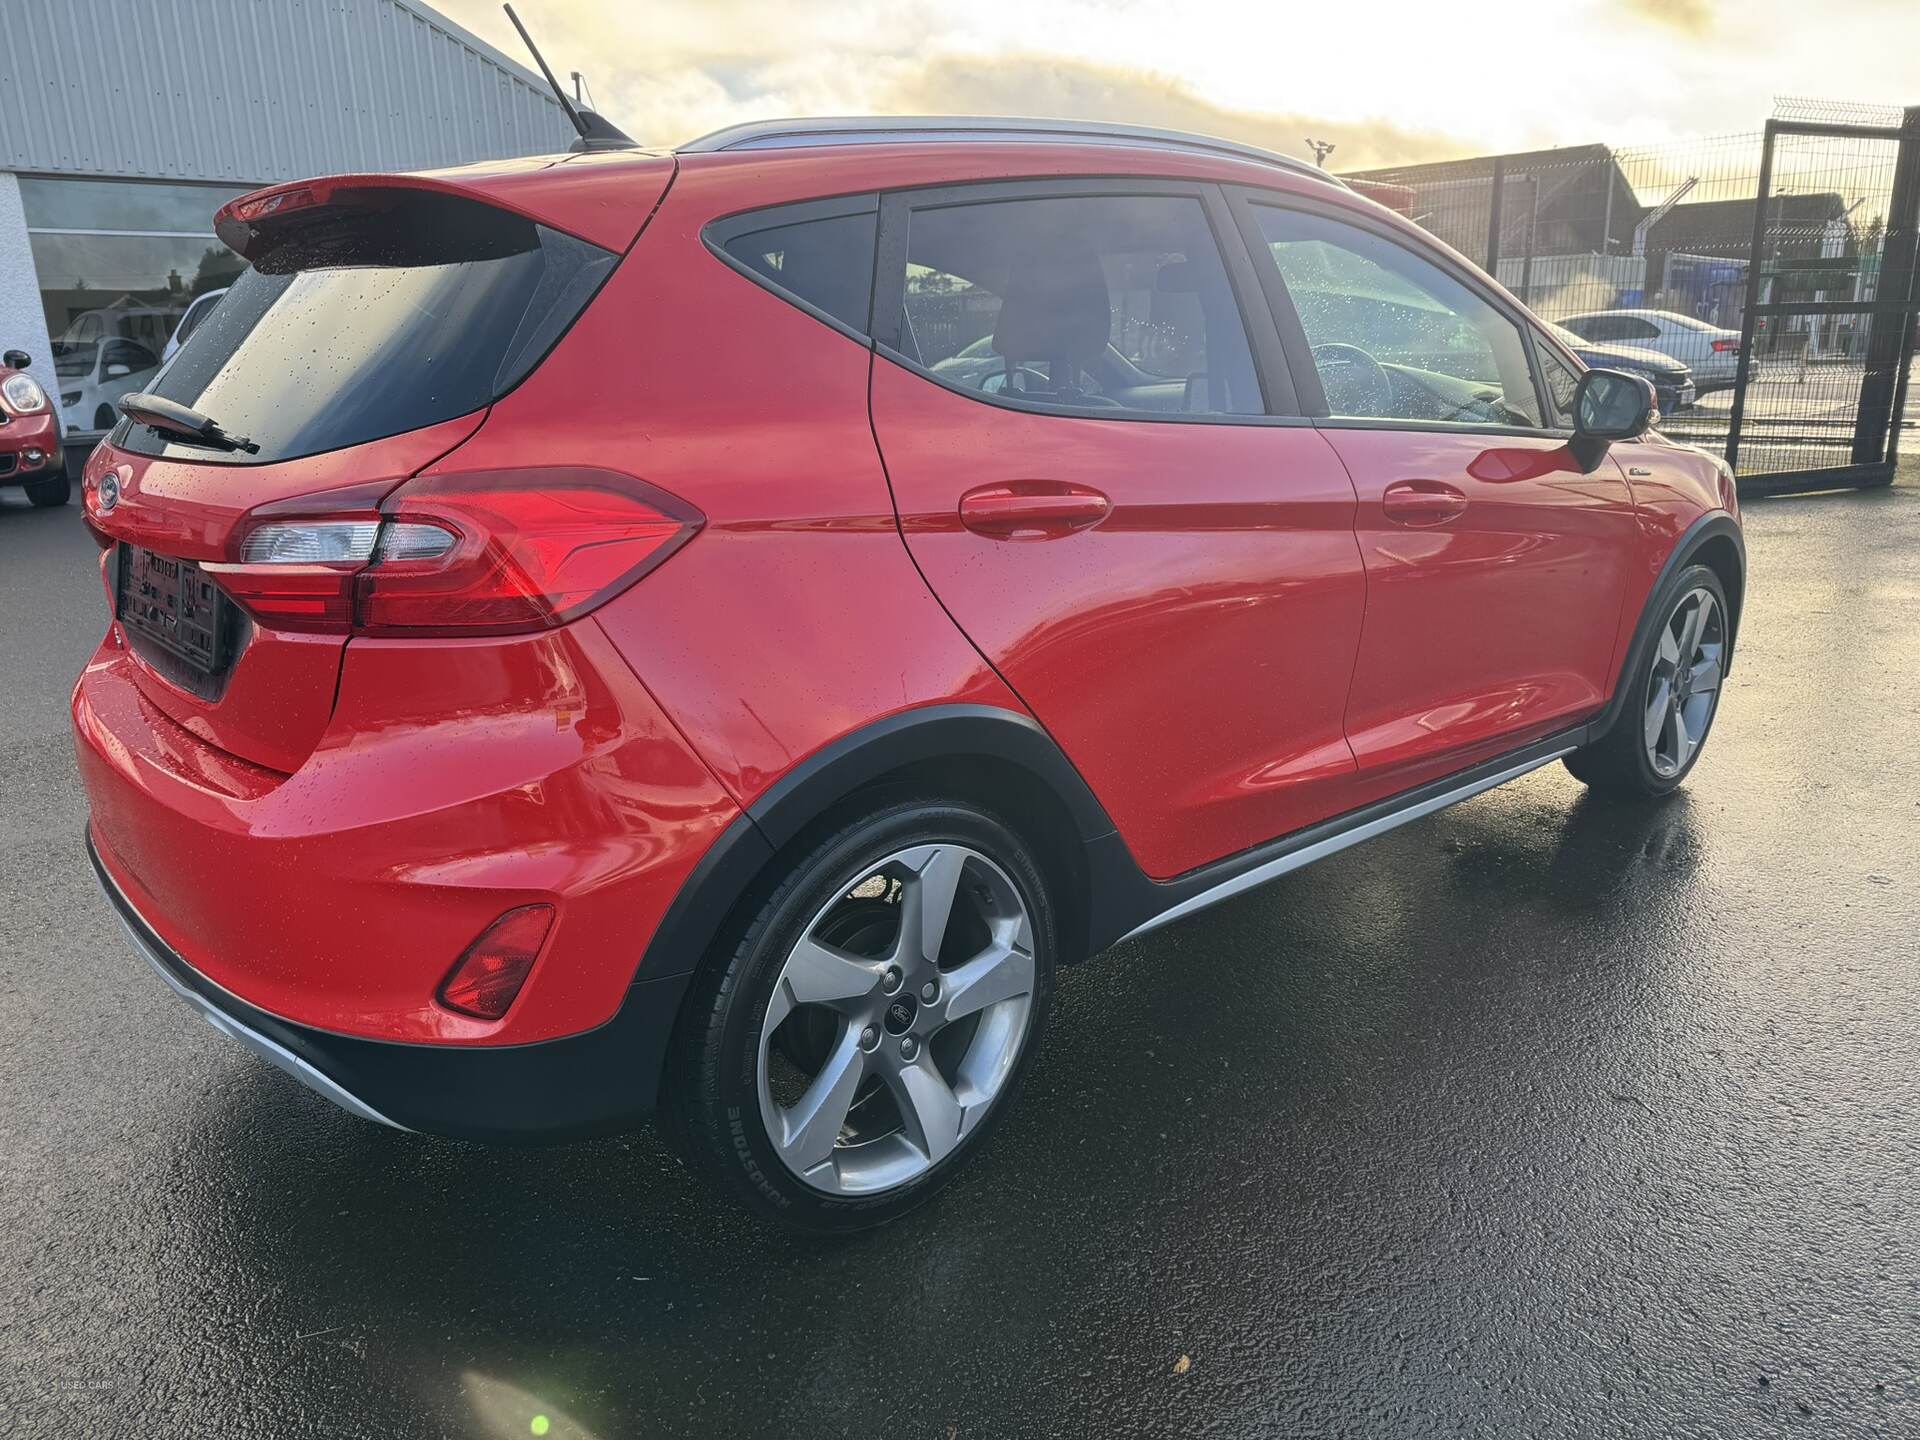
1423	502
1032	509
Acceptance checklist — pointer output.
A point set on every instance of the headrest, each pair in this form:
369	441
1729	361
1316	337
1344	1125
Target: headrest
1055	307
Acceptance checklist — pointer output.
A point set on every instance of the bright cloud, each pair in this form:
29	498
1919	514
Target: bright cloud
1388	81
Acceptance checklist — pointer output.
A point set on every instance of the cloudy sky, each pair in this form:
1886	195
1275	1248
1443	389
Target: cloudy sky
1388	81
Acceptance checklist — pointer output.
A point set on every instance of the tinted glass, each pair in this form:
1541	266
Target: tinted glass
827	263
1091	303
365	324
1394	336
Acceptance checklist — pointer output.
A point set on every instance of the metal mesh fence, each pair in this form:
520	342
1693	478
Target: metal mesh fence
1645	257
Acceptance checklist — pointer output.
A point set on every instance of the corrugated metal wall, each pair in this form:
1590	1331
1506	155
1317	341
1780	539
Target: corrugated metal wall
257	90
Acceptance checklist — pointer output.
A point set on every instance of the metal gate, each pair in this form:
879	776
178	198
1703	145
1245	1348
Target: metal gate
1828	330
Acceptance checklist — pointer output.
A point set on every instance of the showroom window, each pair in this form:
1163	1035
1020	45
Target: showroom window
119	260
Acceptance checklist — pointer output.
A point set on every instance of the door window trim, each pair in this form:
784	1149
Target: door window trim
1278	395
1242	199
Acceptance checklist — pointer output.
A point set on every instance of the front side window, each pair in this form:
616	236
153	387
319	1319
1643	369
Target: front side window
1395	337
1084	303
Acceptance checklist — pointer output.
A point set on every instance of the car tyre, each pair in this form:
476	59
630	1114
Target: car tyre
54	490
1673	695
921	1024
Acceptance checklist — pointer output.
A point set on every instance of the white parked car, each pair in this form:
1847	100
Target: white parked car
94	374
189	322
1711	352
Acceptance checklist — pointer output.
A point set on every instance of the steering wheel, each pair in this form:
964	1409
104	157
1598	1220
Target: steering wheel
1035	386
1002	382
1355	382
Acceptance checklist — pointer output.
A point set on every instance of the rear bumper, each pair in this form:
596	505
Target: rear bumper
599	1082
454	783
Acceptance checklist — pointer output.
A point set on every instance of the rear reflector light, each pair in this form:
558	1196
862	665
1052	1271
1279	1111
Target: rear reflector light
489	553
1720	347
488	977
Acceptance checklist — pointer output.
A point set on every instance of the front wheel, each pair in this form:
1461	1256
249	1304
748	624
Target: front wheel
838	1064
55	489
1671	699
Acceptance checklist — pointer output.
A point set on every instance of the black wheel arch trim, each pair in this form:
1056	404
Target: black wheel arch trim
932	732
734	864
1717	525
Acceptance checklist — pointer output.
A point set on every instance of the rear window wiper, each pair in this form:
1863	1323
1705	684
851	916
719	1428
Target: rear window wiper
175	421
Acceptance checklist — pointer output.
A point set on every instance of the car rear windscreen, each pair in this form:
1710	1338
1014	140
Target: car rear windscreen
364	322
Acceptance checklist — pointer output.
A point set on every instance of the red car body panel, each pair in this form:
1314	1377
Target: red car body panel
796	616
1242	643
279	697
1191	650
455	781
1495	627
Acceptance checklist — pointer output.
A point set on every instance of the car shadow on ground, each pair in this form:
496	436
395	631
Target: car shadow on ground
598	1280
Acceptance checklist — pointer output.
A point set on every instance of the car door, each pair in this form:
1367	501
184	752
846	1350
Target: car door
1116	504
1496	562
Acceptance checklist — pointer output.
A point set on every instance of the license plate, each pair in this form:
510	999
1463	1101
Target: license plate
175	605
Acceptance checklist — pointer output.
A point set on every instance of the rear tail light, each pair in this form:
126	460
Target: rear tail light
488	977
1721	347
533	550
488	553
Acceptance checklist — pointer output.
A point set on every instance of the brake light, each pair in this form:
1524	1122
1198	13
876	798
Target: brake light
485	981
489	553
258	208
1721	347
534	550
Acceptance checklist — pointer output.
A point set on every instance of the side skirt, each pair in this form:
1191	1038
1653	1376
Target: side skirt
1144	905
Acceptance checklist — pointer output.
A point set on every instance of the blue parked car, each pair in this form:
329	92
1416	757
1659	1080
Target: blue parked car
1672	381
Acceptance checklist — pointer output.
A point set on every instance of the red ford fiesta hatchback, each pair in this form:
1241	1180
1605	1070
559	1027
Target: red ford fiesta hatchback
713	631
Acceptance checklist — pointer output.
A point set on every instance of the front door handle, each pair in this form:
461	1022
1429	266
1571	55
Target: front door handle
1423	502
1032	509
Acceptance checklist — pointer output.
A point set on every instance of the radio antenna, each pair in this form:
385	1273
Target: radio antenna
573	115
595	131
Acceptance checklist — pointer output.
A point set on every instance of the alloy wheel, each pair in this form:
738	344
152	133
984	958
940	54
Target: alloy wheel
896	1020
1684	685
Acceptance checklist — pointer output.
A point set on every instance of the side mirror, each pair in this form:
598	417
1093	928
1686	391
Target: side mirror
16	359
1609	405
114	372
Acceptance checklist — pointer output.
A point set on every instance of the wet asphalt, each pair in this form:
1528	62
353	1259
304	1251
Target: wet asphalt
1543	1116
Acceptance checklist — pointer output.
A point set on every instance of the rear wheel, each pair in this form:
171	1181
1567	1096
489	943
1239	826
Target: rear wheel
55	489
1672	699
839	1063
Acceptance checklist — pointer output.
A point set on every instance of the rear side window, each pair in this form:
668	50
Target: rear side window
364	323
826	262
1085	303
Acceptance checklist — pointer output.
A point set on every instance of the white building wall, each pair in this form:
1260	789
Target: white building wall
255	91
23	323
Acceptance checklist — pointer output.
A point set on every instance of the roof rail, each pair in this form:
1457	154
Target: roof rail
892	129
